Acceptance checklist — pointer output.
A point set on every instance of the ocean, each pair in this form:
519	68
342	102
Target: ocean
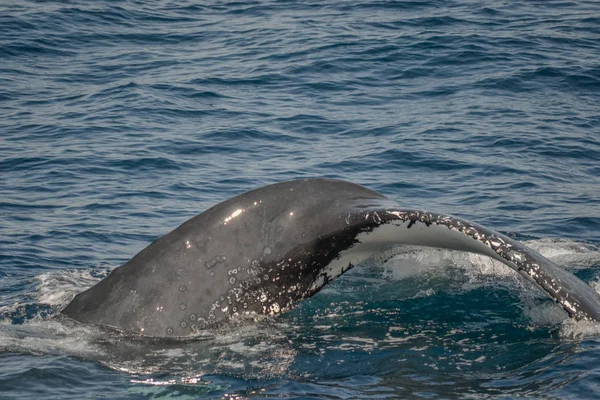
119	120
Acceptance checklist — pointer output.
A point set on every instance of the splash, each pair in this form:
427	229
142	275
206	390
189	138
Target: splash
468	271
270	347
57	288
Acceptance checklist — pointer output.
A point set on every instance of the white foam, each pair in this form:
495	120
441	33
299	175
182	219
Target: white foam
571	329
413	261
50	337
57	288
408	261
553	248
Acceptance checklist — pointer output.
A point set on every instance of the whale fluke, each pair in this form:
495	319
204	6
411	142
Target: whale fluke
265	250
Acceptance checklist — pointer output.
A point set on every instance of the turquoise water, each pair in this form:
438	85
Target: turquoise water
120	120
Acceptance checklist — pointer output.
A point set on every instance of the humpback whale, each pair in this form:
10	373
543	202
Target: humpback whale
265	250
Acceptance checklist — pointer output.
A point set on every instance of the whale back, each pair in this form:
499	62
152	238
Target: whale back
263	251
230	259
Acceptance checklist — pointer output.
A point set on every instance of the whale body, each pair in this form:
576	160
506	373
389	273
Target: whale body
265	250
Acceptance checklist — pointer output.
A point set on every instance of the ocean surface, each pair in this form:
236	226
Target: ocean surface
119	120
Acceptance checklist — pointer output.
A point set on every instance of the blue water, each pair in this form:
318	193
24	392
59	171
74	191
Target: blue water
120	120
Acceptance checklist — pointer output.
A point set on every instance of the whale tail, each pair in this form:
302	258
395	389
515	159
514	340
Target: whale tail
429	229
263	251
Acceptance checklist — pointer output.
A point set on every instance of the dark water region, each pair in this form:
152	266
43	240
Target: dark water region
120	120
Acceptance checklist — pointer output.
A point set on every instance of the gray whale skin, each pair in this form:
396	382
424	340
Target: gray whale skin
265	250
